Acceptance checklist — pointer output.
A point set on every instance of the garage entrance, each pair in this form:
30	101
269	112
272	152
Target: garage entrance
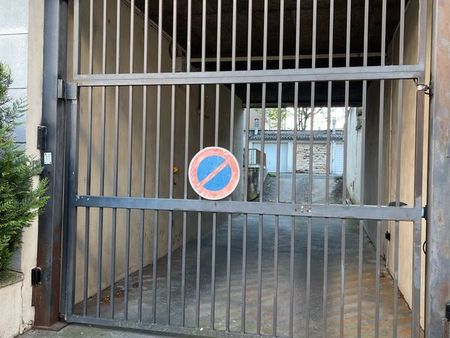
316	250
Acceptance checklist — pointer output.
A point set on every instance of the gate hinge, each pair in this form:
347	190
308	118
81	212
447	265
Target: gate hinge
425	212
426	89
67	90
36	276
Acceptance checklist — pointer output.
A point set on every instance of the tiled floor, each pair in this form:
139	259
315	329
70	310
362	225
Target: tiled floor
302	317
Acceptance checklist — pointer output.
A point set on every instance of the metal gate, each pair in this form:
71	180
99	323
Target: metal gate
157	81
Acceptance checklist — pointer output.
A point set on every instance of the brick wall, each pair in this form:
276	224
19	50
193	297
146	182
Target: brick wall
319	158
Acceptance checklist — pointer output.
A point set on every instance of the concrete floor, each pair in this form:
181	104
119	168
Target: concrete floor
76	331
301	315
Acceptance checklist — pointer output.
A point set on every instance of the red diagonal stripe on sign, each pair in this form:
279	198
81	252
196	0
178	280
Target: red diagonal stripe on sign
213	173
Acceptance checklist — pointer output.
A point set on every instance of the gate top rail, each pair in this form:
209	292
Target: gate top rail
253	76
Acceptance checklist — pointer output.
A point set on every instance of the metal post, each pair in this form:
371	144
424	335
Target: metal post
46	296
438	225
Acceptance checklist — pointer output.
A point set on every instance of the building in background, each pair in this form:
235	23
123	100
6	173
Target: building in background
320	150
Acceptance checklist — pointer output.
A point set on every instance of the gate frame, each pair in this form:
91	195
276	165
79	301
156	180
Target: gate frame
47	294
437	288
52	225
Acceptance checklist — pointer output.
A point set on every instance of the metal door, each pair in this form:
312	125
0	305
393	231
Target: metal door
158	81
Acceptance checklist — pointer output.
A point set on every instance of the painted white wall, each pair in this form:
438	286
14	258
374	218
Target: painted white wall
337	158
270	149
353	145
11	310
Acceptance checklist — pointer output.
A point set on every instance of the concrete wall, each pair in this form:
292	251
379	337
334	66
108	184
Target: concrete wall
136	148
21	47
12	308
391	158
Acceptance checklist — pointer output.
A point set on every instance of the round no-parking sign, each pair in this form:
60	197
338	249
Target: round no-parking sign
214	173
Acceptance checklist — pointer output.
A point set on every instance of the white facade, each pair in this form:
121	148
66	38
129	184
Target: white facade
270	149
353	178
286	155
337	158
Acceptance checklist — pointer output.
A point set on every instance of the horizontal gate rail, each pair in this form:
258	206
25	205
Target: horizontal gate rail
366	212
158	328
253	76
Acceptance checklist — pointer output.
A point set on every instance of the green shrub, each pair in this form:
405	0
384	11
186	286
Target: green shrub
20	201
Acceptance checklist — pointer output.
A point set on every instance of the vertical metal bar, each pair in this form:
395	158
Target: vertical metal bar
310	172
102	163
363	159
197	277
76	38
342	286
327	179
259	278
202	128
297	62
291	278
247	161
277	219
202	134
116	166
380	170
312	105
261	175
422	34
417	232
216	143
87	219
157	163
361	222
275	272
143	166
398	161
244	274
232	112
308	278
213	272
396	254
73	150
330	65
228	301
344	179
294	176
129	164
186	164
171	166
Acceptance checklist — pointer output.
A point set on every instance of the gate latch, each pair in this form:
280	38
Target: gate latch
36	276
425	212
42	138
